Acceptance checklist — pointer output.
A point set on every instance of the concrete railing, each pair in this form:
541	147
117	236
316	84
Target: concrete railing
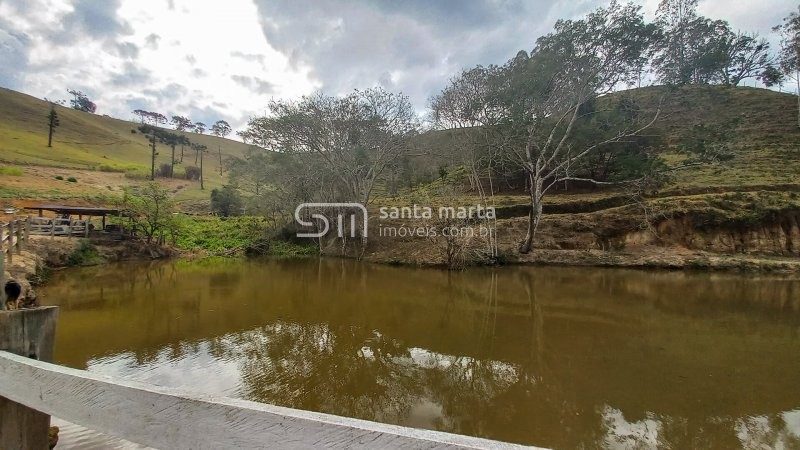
169	418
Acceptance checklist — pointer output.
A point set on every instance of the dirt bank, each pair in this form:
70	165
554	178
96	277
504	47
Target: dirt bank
756	231
42	254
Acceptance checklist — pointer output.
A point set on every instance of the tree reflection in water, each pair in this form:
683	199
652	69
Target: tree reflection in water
562	358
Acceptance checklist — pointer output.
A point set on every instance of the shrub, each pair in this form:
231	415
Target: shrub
192	173
59	177
108	168
164	170
72	180
13	171
137	175
227	235
226	201
85	255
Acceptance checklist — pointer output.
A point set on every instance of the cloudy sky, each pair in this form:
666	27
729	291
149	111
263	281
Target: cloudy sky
215	60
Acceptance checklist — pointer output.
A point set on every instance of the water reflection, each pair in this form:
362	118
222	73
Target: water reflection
555	357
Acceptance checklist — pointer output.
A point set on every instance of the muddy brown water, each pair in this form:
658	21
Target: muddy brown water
547	356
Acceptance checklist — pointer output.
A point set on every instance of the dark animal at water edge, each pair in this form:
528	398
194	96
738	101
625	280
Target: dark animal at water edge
13	291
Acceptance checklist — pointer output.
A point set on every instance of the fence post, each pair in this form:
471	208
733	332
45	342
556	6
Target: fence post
20	232
10	242
2	273
27	229
30	333
52	227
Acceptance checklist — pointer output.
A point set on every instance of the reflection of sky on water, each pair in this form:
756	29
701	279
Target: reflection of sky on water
623	434
553	357
189	366
195	366
757	432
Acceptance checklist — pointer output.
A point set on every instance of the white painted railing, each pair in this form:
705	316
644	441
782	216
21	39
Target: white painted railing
169	418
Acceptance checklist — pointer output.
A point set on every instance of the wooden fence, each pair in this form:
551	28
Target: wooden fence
169	418
50	226
13	235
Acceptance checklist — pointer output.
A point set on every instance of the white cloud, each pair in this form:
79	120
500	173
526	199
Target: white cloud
211	60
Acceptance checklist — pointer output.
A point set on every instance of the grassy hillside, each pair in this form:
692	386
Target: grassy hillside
766	138
88	142
102	154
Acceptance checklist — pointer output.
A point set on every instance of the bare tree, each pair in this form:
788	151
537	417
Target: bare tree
357	136
530	108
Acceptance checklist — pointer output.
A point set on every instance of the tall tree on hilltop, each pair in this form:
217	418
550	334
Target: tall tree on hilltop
171	140
199	127
200	150
141	114
53	122
220	128
157	119
81	102
150	117
181	123
738	56
682	39
183	142
152	134
789	56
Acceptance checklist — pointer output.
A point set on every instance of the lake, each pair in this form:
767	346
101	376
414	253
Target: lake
548	356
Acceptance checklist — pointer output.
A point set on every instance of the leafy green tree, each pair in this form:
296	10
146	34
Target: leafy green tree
221	128
789	56
680	28
157	119
181	123
199	127
81	102
226	201
141	114
53	123
252	171
737	56
150	117
150	209
696	49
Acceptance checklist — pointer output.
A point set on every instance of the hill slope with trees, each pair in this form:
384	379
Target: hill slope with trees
109	151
